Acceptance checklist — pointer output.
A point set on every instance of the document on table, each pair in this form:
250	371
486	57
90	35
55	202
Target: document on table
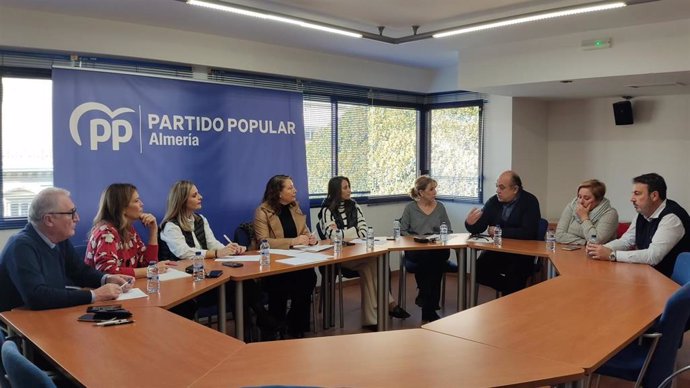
305	258
377	241
313	248
286	252
134	293
171	274
239	258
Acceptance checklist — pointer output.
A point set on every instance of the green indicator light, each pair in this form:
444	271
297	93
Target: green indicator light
598	43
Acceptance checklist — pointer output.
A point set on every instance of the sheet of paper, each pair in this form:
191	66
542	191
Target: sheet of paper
313	248
171	274
286	252
134	293
305	258
239	258
377	241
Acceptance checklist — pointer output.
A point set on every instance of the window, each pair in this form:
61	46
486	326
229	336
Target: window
27	142
456	151
374	146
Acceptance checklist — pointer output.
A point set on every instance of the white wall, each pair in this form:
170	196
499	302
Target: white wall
584	143
25	29
644	49
529	145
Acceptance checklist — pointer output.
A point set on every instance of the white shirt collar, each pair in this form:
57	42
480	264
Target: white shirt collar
657	211
44	238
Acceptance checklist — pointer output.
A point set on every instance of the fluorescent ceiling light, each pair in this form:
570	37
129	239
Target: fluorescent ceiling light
529	18
273	17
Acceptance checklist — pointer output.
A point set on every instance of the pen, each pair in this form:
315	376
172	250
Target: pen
114	322
125	283
227	239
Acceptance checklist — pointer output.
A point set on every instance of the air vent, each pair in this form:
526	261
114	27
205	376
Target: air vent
659	85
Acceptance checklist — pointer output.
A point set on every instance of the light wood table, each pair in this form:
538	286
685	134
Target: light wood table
160	349
252	270
402	358
579	321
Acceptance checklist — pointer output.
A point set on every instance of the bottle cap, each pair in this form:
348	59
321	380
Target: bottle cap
198	253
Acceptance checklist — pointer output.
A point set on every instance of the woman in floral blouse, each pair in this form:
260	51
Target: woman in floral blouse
114	245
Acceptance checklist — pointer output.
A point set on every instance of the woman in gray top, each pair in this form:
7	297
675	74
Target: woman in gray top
589	214
424	216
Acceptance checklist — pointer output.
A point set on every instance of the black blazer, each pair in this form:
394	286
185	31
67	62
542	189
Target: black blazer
523	223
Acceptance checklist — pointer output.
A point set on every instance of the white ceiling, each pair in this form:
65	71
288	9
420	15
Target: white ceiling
396	15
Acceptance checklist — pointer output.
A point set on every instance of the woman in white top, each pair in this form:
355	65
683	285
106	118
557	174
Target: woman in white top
340	211
185	232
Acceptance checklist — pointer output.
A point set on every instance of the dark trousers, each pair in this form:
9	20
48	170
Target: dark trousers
504	272
428	267
296	286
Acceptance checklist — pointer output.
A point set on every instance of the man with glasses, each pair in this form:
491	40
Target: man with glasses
517	213
39	267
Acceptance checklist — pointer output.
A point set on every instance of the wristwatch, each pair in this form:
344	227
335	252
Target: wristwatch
612	256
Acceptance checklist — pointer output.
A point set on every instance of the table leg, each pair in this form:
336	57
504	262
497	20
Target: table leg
461	254
239	310
222	310
473	277
326	295
383	283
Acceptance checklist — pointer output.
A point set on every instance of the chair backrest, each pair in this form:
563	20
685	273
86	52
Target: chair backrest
20	371
671	326
4	383
681	271
543	227
244	235
622	228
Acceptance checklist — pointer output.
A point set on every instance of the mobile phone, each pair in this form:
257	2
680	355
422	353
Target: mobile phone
233	264
214	274
571	247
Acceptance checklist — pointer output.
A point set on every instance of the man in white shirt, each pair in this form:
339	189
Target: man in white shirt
658	234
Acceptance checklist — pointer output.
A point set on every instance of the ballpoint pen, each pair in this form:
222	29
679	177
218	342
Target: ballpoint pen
227	239
114	322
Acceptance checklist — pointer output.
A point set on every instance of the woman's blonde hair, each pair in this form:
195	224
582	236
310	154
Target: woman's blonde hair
420	184
177	205
597	188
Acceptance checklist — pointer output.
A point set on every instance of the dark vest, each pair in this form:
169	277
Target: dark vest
645	230
163	249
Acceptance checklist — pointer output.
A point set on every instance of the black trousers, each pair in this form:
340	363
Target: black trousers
504	272
296	286
428	267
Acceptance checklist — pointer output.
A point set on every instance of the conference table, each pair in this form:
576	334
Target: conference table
556	331
401	358
160	349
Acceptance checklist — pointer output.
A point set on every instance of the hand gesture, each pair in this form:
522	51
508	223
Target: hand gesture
582	212
149	222
125	282
108	291
473	216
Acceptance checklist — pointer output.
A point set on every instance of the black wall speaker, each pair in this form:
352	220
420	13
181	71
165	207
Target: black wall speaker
623	113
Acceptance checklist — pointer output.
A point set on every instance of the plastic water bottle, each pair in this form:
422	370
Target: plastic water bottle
498	236
592	240
337	242
152	281
265	250
370	238
443	233
550	241
396	230
198	266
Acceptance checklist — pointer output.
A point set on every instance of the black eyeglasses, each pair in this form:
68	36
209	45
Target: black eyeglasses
72	213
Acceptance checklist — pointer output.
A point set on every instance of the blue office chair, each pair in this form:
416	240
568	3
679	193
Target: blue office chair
681	271
648	363
20	371
4	383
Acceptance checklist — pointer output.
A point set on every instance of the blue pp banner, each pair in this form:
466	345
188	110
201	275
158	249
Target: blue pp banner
152	132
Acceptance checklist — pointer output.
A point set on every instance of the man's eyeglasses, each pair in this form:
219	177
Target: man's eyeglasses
72	213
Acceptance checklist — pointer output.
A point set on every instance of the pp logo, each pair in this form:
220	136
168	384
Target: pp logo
102	130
